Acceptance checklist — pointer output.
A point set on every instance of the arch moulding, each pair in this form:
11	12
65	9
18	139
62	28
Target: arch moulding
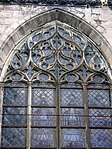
34	23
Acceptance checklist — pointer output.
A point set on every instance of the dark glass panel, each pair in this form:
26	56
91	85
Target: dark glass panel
43	97
99	98
101	138
100	117
71	97
24	53
72	117
98	85
36	37
15	96
72	138
16	61
42	84
13	137
14	116
43	117
43	138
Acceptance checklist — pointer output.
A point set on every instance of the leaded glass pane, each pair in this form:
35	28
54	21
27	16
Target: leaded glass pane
71	84
15	96
56	56
14	116
43	117
101	138
43	97
97	86
73	138
71	97
99	98
72	117
15	137
15	84
43	137
100	117
42	84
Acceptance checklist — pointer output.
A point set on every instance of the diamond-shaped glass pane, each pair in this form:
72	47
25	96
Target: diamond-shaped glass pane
43	117
14	116
15	96
58	61
13	137
43	97
71	97
100	117
43	137
72	117
73	138
101	138
99	98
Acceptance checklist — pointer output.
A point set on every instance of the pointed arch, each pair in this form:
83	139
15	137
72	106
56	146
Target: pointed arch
56	86
34	23
53	46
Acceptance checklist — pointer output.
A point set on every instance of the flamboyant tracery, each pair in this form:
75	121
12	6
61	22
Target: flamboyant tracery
57	92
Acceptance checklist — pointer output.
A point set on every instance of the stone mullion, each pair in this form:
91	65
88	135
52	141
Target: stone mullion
57	98
28	138
58	116
1	111
86	116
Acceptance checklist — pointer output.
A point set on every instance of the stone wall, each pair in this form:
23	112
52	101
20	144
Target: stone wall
12	16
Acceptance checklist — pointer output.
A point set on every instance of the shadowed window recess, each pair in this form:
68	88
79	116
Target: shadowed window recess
57	92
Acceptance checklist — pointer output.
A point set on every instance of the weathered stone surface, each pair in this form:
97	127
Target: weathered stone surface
10	14
16	21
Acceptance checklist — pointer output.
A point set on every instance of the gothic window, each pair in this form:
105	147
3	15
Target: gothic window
57	92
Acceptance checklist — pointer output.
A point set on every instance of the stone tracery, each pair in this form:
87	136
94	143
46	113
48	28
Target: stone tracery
56	63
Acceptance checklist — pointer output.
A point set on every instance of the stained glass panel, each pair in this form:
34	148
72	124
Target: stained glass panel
43	97
72	117
71	97
73	138
99	85
101	138
15	137
99	98
43	117
43	138
15	96
100	117
14	116
56	56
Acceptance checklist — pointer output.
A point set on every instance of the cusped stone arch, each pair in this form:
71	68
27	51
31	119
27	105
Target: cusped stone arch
56	86
56	47
34	23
